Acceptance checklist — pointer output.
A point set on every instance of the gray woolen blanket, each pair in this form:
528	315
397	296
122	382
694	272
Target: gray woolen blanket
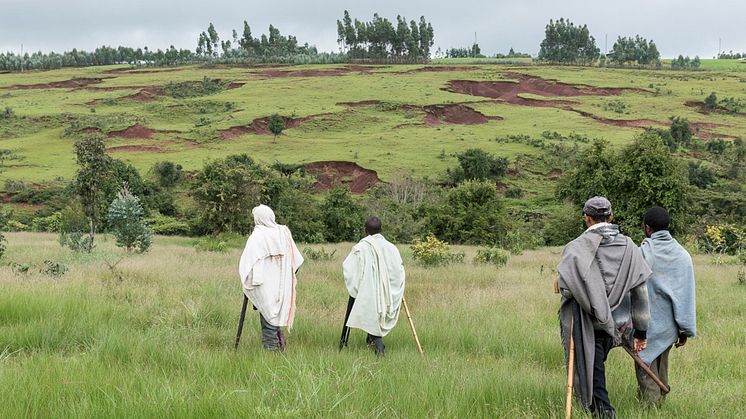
580	273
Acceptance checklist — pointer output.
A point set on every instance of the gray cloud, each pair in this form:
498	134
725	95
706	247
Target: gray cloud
690	27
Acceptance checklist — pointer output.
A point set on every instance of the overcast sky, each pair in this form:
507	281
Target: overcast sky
689	27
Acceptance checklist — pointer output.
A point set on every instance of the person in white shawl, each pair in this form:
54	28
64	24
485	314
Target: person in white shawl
267	268
374	276
672	301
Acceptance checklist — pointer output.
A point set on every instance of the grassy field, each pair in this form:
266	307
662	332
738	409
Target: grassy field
158	342
390	137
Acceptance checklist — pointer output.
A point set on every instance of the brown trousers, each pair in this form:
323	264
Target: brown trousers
648	392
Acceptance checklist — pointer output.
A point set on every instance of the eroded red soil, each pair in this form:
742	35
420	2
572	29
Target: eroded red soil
329	174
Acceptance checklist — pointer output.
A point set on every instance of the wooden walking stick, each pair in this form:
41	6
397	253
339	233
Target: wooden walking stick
664	388
241	319
411	324
570	373
346	330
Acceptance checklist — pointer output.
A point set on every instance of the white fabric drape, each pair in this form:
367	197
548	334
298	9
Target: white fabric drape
267	268
374	276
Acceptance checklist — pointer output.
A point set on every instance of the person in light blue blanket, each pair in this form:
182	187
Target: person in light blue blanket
672	301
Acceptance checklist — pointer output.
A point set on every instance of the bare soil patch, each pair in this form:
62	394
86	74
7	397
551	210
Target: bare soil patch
329	174
455	114
76	83
340	71
704	130
260	126
138	131
441	69
139	71
554	174
625	123
147	94
510	91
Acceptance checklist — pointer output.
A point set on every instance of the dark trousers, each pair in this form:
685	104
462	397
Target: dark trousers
272	337
376	342
601	405
648	392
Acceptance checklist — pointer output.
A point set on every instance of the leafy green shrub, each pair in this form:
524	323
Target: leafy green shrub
471	213
168	226
680	131
434	252
127	224
493	255
14	225
617	106
50	224
226	190
54	269
562	225
15	185
723	238
7	113
515	193
167	173
319	255
732	105
477	164
342	216
210	244
711	101
76	241
700	175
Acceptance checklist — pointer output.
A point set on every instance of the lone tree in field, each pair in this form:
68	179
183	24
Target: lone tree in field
711	101
276	125
93	173
127	223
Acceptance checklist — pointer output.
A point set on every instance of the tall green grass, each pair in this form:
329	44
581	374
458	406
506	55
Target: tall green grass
159	342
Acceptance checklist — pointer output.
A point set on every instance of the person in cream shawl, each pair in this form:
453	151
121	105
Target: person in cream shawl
374	276
267	268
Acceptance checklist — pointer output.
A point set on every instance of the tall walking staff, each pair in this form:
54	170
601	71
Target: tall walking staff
241	319
570	373
570	358
346	330
411	324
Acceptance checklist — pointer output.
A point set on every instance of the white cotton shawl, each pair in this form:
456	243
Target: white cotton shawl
374	276
267	268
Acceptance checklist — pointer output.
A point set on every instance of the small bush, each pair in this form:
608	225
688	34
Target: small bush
54	269
76	241
14	225
617	106
434	252
493	255
168	226
711	101
8	113
515	193
318	255
126	219
723	238
210	244
49	224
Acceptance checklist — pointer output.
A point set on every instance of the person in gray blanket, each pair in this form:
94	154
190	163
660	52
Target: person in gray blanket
602	280
672	302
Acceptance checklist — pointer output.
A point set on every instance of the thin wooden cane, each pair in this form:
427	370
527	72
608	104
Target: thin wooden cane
570	374
411	324
664	388
241	319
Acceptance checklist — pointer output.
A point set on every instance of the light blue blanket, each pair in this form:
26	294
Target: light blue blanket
671	293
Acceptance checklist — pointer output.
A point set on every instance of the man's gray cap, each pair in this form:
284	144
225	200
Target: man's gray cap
598	206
